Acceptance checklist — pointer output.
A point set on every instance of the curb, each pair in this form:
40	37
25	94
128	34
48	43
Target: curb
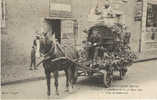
143	60
22	81
61	75
27	80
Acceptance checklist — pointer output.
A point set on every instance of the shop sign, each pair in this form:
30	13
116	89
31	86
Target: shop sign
60	9
138	16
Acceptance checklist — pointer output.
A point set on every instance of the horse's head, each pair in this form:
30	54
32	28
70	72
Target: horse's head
45	43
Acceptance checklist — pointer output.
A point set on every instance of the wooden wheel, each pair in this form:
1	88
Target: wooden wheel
90	73
122	73
107	79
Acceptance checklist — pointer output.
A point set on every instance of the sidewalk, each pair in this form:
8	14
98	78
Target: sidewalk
21	73
146	56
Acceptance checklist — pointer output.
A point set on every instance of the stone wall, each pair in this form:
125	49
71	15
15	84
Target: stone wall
81	9
22	20
147	43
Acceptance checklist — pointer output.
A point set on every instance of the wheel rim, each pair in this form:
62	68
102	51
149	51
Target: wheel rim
122	74
107	79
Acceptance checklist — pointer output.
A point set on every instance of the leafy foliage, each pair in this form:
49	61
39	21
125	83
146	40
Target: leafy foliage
111	48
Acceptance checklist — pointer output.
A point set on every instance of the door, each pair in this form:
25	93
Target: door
56	28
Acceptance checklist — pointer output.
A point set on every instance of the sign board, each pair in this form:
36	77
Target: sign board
61	9
138	16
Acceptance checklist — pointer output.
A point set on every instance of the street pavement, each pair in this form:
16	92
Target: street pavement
20	73
140	83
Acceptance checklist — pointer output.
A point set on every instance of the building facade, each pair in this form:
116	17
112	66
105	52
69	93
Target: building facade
24	17
149	25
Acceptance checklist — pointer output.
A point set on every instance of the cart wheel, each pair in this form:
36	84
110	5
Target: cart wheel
123	73
90	73
107	79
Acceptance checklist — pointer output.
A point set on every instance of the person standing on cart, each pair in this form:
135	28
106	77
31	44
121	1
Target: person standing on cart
106	10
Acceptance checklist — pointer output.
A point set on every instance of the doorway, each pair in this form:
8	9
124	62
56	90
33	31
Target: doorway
54	26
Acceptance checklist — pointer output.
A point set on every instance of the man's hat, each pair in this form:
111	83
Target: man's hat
36	34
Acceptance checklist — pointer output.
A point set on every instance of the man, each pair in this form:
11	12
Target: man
106	10
33	51
107	14
35	40
127	36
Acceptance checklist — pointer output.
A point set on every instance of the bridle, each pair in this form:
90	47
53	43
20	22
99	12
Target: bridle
53	46
49	51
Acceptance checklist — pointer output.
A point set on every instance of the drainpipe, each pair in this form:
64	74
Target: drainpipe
140	40
143	25
75	30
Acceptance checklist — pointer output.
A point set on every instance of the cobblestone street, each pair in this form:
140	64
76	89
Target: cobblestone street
138	84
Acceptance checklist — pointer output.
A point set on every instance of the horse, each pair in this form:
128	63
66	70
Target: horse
48	48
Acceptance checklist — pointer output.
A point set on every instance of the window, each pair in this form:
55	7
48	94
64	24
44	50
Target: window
151	15
151	22
3	16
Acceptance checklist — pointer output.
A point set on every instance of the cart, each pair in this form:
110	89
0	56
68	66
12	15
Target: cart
106	50
110	55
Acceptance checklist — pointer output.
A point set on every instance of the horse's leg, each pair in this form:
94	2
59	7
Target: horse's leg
67	80
56	81
70	81
48	78
74	75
